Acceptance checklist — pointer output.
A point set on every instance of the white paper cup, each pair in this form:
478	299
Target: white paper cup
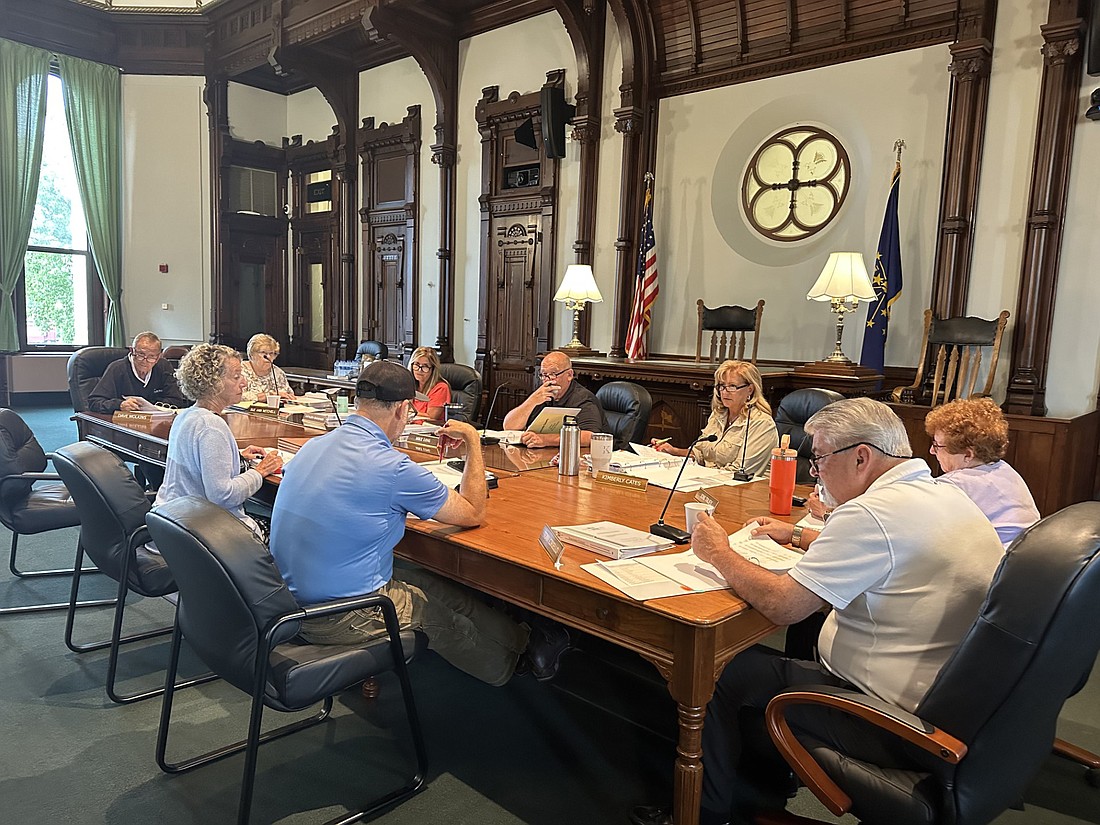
600	450
692	509
273	400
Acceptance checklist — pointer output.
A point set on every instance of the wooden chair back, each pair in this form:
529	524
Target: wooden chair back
958	345
728	327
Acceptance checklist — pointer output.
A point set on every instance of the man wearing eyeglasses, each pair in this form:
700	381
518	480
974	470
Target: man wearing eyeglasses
557	389
903	563
137	382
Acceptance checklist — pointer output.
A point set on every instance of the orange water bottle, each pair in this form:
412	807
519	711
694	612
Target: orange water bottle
781	484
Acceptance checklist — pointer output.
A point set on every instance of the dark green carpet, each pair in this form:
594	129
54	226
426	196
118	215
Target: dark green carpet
582	750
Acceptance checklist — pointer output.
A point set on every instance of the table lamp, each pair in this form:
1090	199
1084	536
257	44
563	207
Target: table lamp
844	283
577	288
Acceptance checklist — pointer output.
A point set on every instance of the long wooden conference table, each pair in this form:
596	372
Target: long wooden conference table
689	638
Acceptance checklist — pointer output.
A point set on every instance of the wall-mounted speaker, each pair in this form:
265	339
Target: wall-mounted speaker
525	134
556	114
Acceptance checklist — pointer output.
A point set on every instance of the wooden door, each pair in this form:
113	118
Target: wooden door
314	312
389	320
252	294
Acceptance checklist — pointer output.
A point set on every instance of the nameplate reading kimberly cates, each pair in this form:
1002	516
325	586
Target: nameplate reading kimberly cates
621	480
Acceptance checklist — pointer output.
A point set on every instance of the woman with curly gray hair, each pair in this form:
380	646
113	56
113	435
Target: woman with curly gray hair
203	459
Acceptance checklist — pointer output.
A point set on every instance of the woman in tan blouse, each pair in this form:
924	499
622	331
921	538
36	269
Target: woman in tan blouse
738	412
264	378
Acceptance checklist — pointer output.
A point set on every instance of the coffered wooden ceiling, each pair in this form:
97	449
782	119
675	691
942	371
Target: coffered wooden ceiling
696	43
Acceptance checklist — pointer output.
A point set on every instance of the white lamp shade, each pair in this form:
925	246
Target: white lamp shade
845	278
579	285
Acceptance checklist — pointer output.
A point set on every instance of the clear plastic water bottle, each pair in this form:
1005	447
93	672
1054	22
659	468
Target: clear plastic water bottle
569	448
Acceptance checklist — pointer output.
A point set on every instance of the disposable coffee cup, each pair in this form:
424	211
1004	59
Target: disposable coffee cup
600	451
692	509
273	400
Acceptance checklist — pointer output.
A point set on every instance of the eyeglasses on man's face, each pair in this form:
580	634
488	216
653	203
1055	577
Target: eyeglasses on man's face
815	460
549	376
729	388
147	357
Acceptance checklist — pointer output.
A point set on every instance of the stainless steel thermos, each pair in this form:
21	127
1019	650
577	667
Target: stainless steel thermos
569	448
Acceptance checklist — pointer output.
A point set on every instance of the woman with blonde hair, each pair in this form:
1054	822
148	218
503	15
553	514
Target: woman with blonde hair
424	365
264	378
969	439
203	458
741	418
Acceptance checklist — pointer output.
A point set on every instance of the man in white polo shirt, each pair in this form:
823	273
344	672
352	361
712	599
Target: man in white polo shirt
904	563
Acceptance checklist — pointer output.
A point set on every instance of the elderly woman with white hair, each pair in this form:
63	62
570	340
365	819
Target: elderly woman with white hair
203	458
264	378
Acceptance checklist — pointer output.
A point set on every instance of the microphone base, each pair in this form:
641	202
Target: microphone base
741	475
667	531
488	440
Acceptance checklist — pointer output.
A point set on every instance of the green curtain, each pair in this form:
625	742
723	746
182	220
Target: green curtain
23	73
93	108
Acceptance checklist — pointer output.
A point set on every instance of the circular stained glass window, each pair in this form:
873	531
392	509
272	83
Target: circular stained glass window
795	184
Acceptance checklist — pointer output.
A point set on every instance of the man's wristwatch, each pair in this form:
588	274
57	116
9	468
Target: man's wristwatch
796	537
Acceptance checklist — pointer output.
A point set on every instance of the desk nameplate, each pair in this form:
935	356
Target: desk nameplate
622	480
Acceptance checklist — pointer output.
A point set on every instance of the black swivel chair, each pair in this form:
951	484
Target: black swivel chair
791	416
375	349
86	366
626	407
465	388
28	508
112	507
236	611
987	723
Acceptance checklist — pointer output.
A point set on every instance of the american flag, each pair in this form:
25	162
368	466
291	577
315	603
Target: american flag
646	289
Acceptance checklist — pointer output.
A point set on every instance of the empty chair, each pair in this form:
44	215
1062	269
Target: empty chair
27	507
958	344
375	349
236	611
465	385
986	725
626	407
791	416
85	368
112	507
174	353
728	326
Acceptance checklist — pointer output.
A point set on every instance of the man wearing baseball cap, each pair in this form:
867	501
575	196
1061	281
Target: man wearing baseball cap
341	510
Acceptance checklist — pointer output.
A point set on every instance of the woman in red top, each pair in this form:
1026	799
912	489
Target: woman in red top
424	365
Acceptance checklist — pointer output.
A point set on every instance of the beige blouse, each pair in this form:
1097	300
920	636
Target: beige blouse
727	451
272	383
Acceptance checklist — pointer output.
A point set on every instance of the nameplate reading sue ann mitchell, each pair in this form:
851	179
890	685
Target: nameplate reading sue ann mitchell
621	480
129	417
552	545
422	442
264	410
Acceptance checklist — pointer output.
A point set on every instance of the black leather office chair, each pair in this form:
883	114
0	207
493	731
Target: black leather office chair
112	507
791	416
465	388
238	614
32	501
987	723
626	407
375	349
86	366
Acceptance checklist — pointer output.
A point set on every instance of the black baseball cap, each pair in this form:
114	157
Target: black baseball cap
387	381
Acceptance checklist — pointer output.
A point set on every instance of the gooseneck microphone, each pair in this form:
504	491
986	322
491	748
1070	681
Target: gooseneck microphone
488	439
741	475
332	392
667	531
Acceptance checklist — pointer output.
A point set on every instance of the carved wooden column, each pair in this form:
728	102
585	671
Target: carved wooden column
216	98
971	57
1062	42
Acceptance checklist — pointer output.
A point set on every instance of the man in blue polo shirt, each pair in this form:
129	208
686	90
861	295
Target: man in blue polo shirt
341	510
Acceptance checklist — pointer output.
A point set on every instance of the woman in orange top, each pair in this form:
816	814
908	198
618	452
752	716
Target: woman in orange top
424	365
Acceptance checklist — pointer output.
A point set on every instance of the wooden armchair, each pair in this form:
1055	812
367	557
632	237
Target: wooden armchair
728	327
958	344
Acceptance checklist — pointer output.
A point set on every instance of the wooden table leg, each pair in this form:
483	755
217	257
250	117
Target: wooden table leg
688	773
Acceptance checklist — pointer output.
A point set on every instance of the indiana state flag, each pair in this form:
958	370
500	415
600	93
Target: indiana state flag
886	281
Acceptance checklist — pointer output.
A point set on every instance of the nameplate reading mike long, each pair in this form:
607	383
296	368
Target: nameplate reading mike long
621	480
422	442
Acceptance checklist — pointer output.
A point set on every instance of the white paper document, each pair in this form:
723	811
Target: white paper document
634	579
764	550
811	522
610	539
687	570
505	436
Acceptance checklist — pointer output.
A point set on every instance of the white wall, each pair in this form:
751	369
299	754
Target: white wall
516	58
385	93
705	246
255	114
166	207
308	114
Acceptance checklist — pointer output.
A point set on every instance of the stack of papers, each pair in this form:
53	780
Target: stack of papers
610	539
505	436
674	574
